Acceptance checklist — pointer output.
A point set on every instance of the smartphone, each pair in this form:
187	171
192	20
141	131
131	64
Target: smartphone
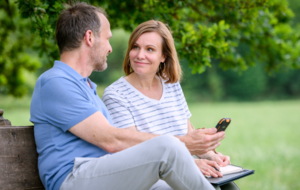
223	124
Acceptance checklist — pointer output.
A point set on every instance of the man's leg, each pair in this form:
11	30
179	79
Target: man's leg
230	186
161	185
138	168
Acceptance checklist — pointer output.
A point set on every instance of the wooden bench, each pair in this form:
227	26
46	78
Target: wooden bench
18	157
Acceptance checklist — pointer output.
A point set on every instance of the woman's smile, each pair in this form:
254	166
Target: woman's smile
146	54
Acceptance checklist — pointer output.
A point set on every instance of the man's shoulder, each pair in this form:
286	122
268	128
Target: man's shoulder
53	73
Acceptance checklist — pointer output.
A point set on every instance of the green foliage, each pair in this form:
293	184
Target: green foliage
236	33
252	84
202	29
295	6
15	59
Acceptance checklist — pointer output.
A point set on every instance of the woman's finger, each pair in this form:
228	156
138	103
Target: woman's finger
213	164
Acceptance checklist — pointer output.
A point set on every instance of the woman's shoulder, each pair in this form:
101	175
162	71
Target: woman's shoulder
174	86
116	85
115	90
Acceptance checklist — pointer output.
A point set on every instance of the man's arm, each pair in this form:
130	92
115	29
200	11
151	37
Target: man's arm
221	159
96	130
201	141
198	141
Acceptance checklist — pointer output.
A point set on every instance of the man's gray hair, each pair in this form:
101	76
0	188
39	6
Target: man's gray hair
73	23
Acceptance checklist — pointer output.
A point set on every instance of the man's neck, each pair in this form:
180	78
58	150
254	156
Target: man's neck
78	61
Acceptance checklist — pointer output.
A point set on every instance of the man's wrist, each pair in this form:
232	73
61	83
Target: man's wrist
182	138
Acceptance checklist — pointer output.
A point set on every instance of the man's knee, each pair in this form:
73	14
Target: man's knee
169	142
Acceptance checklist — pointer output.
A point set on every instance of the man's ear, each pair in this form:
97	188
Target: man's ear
88	38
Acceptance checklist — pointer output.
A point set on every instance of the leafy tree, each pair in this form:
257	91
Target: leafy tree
295	6
15	59
236	33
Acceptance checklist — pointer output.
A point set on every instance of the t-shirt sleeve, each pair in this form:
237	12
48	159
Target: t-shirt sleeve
64	103
183	101
118	108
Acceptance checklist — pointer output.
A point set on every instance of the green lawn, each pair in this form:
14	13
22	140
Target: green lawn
263	136
16	110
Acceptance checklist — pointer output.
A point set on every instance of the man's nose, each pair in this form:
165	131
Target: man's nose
110	49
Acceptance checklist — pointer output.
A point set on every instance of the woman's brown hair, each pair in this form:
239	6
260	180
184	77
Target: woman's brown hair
170	71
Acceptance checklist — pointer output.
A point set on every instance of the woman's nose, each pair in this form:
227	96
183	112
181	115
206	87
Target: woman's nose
141	54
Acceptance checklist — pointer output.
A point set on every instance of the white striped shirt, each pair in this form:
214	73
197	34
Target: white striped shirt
129	107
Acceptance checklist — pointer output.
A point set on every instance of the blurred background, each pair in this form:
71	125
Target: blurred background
262	98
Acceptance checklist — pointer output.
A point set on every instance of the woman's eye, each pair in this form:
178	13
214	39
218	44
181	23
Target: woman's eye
150	49
135	47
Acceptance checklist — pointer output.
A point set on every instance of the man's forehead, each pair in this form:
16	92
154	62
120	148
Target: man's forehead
105	25
104	20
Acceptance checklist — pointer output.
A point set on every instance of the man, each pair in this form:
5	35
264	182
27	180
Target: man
75	134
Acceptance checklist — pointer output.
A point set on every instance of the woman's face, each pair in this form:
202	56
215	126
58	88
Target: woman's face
146	54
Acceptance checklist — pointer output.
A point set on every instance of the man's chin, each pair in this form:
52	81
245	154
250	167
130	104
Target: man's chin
101	68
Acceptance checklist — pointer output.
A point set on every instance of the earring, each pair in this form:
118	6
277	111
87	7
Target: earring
162	66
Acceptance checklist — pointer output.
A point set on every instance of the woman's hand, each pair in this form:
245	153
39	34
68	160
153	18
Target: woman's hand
222	160
208	168
219	158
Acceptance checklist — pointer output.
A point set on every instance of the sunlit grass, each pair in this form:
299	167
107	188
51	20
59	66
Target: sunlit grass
263	136
16	110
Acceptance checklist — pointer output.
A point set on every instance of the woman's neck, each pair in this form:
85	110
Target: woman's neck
149	86
143	82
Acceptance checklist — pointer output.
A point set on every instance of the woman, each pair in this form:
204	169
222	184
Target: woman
150	98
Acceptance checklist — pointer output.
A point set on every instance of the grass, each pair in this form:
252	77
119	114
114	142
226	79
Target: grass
263	136
16	110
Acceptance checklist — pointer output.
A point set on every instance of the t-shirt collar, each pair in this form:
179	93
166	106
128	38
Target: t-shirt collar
71	71
68	69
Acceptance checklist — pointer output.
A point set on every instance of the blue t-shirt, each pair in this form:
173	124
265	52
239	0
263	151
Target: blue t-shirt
61	99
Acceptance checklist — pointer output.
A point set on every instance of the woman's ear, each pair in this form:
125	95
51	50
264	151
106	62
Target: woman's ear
163	59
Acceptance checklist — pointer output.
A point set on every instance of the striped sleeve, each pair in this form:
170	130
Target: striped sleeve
183	101
118	108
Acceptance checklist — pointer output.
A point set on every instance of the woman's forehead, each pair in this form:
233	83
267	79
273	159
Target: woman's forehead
149	38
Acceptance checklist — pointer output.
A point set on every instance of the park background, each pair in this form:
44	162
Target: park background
264	105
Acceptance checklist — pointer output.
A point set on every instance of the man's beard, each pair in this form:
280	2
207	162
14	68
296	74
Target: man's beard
99	61
100	64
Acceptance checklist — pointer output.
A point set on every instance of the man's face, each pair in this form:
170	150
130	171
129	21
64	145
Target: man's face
101	47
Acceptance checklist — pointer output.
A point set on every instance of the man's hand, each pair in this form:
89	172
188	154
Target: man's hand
208	168
201	141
